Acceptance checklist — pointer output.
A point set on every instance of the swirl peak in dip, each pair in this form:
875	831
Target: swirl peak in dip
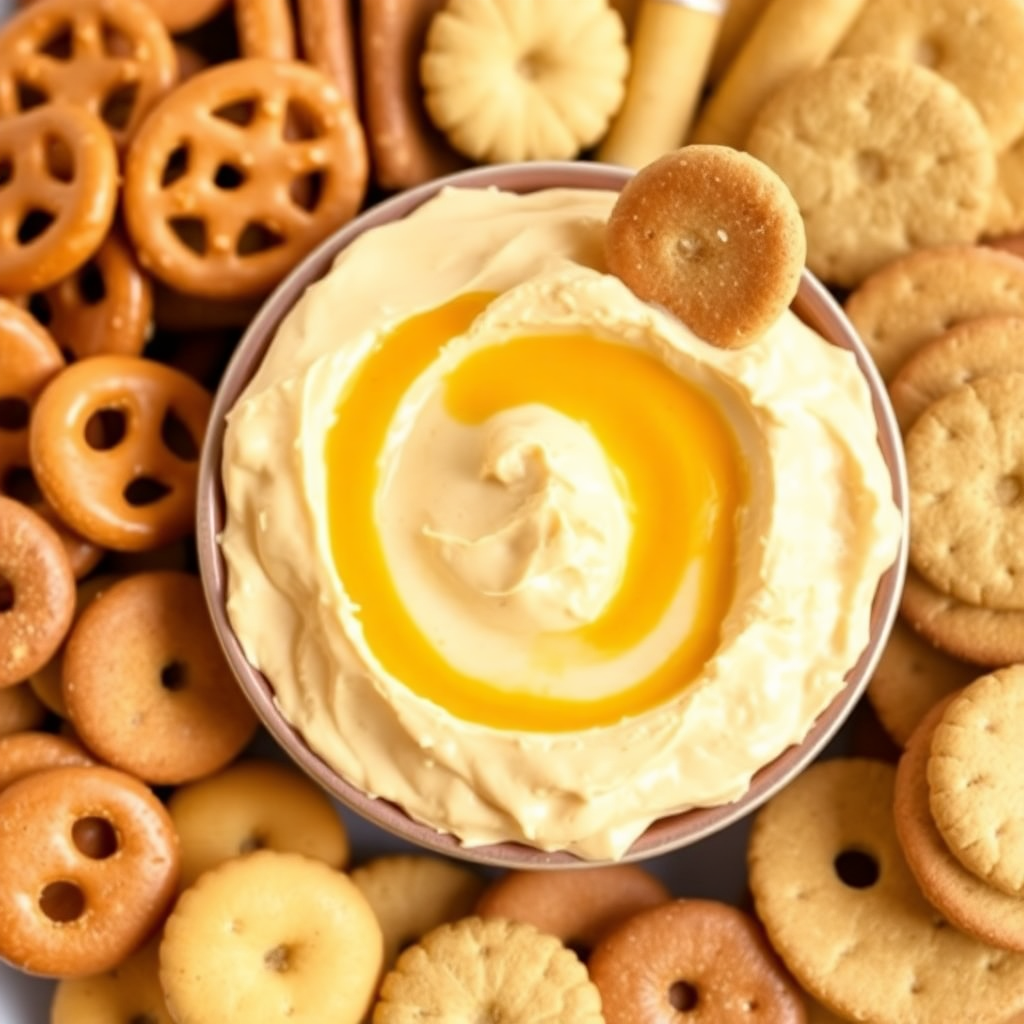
521	554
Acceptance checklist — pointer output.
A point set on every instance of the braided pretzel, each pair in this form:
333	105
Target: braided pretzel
58	190
105	306
113	57
133	487
216	185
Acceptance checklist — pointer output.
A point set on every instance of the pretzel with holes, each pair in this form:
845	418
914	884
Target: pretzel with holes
239	173
112	57
114	444
58	192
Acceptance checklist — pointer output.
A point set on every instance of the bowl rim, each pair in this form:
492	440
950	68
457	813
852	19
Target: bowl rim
670	832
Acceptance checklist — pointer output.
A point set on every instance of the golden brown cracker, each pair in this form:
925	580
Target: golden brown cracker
883	157
841	907
967	493
974	778
920	296
966	901
1006	213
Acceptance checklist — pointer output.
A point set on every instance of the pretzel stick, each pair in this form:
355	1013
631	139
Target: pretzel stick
325	27
265	29
672	43
790	37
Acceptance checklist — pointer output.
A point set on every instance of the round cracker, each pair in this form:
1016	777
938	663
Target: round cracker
969	903
1006	214
911	677
921	296
979	48
974	778
967	493
882	156
873	950
979	348
714	236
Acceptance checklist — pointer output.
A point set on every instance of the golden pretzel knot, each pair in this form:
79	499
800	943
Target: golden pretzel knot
239	172
58	191
114	443
113	57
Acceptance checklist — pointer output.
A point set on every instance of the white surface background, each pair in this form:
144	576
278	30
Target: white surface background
713	869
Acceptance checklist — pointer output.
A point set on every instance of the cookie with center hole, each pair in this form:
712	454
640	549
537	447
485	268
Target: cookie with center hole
975	770
714	236
965	464
842	909
968	902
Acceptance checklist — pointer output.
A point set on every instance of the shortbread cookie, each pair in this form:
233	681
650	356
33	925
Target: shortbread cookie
843	910
967	493
918	297
412	894
714	236
255	805
979	348
983	636
578	907
974	778
693	960
128	994
882	156
978	47
1006	212
267	938
475	970
512	80
912	676
970	904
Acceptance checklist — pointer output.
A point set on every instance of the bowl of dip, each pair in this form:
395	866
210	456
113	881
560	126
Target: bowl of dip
517	567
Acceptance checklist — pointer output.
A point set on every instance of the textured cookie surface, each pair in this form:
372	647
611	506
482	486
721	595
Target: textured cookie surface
911	677
918	297
975	775
714	236
979	47
882	157
969	903
869	947
967	493
476	970
979	348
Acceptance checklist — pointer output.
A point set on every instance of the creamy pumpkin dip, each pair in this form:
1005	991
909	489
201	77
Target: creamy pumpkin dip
520	553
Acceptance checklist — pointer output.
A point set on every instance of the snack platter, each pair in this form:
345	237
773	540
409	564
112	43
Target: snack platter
857	157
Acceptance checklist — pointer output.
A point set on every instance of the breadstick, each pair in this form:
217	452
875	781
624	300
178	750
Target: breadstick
627	10
790	37
737	24
672	45
325	27
265	29
406	148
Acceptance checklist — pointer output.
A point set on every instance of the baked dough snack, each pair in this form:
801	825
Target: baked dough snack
181	16
112	58
20	709
882	157
966	901
412	894
254	805
714	236
475	969
218	194
265	29
295	937
26	753
58	193
161	703
974	774
693	960
89	861
510	80
325	27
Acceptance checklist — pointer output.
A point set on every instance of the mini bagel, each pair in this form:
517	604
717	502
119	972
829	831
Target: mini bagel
714	236
26	753
20	709
37	592
578	907
89	861
699	956
161	703
255	805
